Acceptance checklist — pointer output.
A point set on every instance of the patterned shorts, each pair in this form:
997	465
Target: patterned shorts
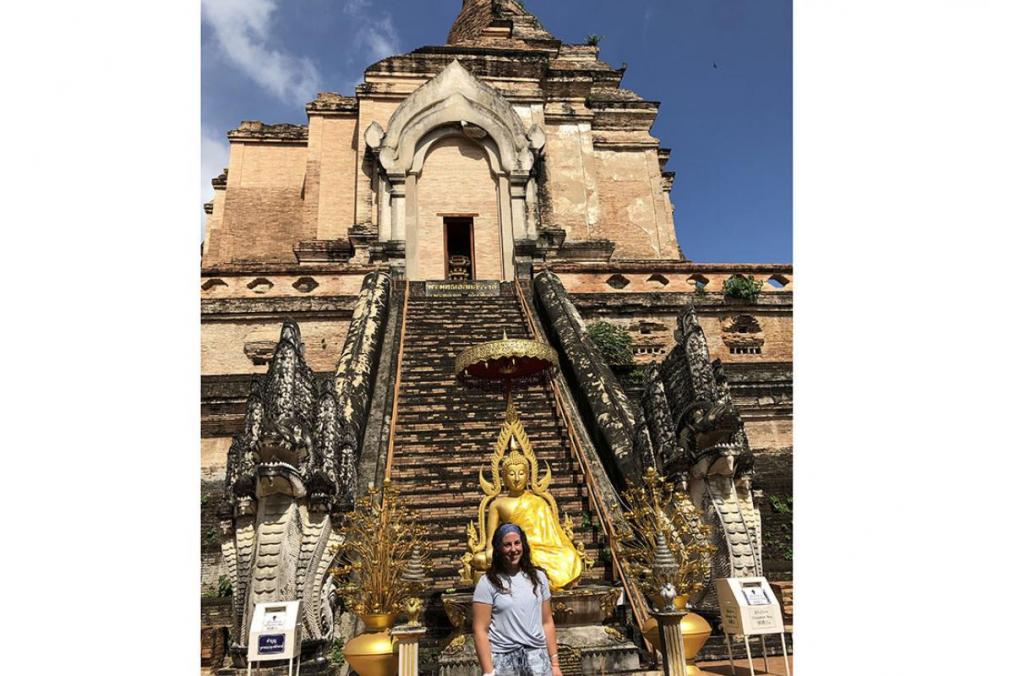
522	662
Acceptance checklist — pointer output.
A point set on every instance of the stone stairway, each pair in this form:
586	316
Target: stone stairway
445	432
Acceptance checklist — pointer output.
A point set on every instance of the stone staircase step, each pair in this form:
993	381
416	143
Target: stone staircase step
445	430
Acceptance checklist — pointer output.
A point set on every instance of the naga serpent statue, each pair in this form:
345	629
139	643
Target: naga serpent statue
700	442
291	469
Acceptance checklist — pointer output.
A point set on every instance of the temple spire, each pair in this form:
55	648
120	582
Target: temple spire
497	21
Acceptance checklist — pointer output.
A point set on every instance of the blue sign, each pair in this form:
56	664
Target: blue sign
270	644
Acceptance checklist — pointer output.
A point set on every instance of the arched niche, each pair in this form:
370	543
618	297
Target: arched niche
454	104
457	181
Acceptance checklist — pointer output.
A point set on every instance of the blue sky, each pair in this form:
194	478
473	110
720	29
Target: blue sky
721	68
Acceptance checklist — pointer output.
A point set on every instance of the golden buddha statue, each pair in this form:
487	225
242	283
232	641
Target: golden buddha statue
527	504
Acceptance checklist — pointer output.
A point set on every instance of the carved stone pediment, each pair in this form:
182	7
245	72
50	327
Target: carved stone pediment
455	97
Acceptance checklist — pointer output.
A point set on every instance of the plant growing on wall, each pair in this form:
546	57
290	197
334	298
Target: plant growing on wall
614	343
593	39
738	286
225	587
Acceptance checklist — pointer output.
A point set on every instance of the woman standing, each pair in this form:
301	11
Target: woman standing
511	616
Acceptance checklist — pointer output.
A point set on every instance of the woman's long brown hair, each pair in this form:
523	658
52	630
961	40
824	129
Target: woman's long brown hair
499	565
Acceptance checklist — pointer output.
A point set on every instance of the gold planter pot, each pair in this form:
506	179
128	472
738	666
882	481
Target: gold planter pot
373	653
695	630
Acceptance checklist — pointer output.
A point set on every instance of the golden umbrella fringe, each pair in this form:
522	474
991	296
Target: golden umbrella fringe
505	348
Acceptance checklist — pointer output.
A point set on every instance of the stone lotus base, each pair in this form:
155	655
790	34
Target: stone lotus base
585	645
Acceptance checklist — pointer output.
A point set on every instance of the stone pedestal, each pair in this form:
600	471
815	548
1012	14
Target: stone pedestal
407	636
674	662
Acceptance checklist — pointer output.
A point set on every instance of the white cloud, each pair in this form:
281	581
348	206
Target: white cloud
376	34
242	29
214	158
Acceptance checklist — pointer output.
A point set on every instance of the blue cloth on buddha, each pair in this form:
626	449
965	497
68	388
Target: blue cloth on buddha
517	616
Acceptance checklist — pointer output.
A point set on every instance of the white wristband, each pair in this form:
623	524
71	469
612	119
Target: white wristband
490	673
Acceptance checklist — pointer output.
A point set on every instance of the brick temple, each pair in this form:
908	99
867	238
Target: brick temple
491	179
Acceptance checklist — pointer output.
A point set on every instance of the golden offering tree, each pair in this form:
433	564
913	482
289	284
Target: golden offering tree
380	544
659	513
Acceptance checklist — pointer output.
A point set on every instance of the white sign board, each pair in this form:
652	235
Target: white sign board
748	606
274	631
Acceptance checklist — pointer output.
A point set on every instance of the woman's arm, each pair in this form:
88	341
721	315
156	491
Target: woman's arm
551	637
481	614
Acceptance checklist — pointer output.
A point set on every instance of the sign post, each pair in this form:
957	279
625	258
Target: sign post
748	607
275	634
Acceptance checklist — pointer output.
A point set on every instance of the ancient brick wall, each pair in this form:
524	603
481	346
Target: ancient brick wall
632	214
232	346
213	226
456	179
776	329
263	210
575	204
213	470
337	186
474	17
331	177
773	483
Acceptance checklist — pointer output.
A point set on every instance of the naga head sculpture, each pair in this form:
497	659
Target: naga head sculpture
708	431
702	446
292	435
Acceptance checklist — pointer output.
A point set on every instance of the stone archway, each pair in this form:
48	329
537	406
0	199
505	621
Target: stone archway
454	104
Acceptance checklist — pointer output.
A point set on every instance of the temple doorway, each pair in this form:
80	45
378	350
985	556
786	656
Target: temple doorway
459	254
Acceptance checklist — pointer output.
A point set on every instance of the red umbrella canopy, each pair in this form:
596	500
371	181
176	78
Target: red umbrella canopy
505	359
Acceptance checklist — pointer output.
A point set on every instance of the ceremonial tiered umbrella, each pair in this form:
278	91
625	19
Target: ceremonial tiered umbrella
506	363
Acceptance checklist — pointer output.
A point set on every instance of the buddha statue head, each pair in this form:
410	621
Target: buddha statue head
515	471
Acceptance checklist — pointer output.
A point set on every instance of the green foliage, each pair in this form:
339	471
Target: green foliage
225	588
746	288
780	504
614	343
211	537
586	520
782	540
593	39
337	657
778	535
634	378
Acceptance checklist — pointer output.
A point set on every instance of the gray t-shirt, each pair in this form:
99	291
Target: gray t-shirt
518	614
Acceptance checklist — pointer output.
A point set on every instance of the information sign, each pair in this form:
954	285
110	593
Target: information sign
748	606
274	631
